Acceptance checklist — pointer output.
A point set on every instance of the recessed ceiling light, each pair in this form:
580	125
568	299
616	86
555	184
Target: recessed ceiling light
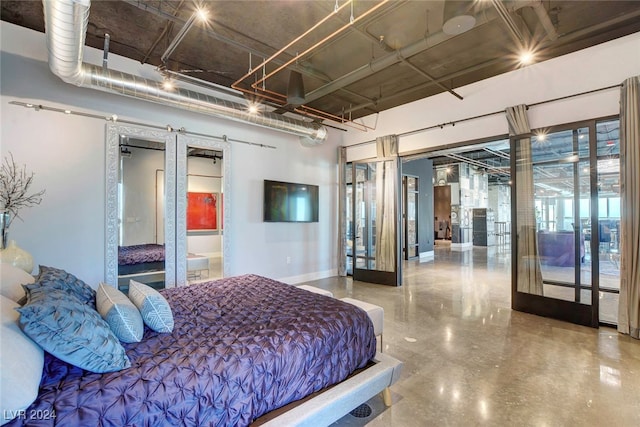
526	57
203	14
167	84
253	108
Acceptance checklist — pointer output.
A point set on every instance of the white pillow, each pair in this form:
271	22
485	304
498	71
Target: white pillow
21	364
12	280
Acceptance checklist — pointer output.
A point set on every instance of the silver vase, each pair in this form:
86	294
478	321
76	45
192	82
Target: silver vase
5	219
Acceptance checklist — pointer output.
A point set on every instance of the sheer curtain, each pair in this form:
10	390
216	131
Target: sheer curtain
629	304
529	270
386	177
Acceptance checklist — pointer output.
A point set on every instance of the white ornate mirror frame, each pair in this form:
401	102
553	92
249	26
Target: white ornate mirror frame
176	178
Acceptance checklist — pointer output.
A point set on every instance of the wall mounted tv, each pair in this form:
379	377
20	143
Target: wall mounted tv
289	202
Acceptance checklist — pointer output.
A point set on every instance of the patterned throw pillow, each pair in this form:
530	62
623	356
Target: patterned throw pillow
155	310
72	331
118	311
60	279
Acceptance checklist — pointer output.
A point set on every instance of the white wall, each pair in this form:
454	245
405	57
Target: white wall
597	67
67	153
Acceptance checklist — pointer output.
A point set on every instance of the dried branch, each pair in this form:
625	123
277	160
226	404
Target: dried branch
14	188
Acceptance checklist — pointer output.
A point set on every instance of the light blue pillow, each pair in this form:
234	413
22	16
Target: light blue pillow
123	317
60	279
71	331
155	310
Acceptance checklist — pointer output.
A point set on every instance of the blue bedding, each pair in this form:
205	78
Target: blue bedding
241	347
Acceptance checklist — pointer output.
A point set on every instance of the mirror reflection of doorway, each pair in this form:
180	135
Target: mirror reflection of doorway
205	202
141	234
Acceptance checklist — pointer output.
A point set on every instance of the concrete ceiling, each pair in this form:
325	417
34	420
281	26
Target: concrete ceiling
394	52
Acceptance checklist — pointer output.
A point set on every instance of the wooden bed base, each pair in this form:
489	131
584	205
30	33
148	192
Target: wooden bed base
332	404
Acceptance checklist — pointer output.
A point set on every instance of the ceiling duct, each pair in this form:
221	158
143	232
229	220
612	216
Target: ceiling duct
65	27
457	18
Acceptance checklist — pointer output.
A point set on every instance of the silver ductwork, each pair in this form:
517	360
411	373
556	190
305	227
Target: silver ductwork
65	27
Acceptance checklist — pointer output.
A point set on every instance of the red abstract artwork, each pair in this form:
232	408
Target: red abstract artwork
202	213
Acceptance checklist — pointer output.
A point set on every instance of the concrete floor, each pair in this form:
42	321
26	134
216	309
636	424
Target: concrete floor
470	360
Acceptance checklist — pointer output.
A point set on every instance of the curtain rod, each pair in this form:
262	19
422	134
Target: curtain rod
453	123
114	118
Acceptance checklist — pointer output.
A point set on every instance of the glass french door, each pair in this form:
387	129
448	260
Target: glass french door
410	217
566	210
375	222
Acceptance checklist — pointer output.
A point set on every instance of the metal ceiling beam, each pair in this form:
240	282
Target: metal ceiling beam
490	169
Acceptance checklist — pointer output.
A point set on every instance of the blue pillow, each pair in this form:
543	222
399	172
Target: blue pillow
71	331
155	310
118	311
60	279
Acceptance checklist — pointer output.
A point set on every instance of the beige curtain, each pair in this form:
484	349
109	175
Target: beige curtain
529	271
386	177
342	211
629	304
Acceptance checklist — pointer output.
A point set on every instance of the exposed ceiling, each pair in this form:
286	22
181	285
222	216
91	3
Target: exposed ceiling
367	57
555	156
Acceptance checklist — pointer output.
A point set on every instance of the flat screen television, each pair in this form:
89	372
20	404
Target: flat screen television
290	202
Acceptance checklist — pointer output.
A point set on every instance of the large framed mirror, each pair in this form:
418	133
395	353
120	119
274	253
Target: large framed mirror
203	214
150	176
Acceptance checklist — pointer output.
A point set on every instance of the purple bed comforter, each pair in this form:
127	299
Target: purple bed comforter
241	347
137	254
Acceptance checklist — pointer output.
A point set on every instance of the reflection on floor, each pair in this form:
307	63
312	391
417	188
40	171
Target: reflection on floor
470	360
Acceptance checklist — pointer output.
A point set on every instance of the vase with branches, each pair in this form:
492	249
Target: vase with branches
15	185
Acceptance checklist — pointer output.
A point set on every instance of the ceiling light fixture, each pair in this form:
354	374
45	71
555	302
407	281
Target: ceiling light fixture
541	136
526	57
203	14
456	17
168	84
253	108
295	89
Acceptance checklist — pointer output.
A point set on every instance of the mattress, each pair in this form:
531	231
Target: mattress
241	347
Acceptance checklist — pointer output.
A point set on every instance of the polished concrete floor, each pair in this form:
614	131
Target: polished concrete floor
470	360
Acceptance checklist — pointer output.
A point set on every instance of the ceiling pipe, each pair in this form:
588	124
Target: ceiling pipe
66	26
179	37
510	23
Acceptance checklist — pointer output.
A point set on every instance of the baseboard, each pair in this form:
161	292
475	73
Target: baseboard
294	280
461	246
426	256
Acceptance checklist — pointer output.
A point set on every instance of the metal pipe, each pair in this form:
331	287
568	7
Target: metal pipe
65	27
105	55
544	19
179	36
506	18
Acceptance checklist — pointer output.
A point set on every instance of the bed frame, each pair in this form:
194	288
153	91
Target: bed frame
335	402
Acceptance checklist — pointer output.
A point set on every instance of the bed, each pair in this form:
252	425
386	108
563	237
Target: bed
137	259
241	348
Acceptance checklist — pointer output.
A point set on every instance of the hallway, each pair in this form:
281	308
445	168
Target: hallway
470	360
